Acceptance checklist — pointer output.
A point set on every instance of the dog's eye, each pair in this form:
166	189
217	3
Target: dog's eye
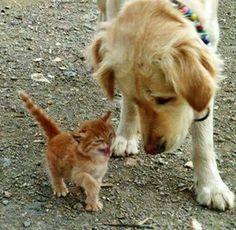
163	100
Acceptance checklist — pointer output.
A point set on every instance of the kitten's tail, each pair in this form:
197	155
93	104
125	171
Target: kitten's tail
48	125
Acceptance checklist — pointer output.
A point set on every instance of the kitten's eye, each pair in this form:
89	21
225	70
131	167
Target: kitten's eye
163	100
99	141
111	135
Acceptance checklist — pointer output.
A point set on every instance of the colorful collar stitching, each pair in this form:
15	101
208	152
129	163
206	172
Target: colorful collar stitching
187	12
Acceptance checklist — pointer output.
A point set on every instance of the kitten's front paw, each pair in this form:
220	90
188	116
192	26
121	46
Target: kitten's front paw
122	146
60	190
215	195
94	207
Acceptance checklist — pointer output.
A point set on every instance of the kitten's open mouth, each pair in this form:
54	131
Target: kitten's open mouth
106	151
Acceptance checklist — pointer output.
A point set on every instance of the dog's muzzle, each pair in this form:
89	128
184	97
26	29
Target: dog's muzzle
155	148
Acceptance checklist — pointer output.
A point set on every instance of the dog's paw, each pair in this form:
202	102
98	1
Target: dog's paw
215	195
122	146
94	206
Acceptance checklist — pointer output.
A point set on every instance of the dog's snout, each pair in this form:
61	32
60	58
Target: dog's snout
151	148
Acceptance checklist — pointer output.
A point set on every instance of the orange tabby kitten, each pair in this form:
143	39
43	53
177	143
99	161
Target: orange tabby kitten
81	155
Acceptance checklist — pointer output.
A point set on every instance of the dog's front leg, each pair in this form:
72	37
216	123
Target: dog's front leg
127	133
209	187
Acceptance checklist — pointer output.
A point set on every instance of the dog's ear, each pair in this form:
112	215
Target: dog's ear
106	78
103	70
94	54
192	71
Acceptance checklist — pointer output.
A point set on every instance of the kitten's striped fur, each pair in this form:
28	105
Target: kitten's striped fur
81	155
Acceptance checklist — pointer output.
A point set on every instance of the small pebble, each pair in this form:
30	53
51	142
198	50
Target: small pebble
38	59
48	206
7	194
5	202
195	225
62	68
189	164
70	74
180	185
14	78
26	224
39	77
57	59
6	162
78	206
161	161
50	76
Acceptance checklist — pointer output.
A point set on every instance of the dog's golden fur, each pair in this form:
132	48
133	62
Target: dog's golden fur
166	75
181	68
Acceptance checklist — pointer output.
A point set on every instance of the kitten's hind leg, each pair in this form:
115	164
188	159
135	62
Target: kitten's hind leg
91	188
59	188
58	184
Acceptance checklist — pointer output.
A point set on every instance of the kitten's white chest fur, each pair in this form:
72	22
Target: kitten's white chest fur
99	171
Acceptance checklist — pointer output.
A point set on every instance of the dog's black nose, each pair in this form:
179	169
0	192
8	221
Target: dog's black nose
161	147
154	149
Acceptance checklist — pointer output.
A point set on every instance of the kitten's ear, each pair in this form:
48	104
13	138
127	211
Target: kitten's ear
79	134
107	117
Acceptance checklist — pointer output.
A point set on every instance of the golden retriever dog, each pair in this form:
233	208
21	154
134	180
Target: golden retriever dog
168	76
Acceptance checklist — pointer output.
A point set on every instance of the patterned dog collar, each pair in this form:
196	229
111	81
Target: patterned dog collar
187	12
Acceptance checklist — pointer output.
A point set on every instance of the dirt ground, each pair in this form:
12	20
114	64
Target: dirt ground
42	51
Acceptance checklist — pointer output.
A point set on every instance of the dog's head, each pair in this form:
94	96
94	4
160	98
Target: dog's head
161	64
